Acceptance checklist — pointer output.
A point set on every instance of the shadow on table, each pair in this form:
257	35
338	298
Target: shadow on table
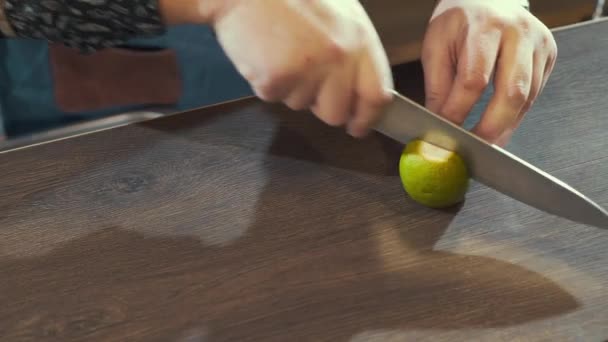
275	284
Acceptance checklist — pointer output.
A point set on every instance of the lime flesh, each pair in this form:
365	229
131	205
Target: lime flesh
432	176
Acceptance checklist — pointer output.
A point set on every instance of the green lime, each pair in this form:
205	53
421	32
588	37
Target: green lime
433	176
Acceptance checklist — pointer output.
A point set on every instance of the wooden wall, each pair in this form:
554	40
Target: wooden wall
402	23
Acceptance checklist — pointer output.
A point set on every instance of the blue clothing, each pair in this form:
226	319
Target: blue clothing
26	89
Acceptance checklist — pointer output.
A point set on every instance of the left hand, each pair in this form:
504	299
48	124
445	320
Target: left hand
470	41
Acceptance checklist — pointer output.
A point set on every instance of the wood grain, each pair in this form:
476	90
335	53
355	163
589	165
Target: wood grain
247	222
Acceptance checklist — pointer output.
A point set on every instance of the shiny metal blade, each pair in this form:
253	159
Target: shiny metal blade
491	165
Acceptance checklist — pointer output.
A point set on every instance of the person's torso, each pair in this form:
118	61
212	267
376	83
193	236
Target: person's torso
28	103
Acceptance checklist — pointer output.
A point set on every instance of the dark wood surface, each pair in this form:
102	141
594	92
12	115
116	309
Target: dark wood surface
246	222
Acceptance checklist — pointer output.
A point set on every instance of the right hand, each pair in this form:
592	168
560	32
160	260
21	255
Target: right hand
317	55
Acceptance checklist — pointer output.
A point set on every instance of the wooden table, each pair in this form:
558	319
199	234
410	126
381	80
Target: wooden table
245	222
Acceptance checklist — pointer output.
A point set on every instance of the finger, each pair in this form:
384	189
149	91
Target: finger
475	66
374	85
275	87
439	73
536	85
539	79
304	96
543	66
512	83
373	89
280	80
438	64
333	102
550	64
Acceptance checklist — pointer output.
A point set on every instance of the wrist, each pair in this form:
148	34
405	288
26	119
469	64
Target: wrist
178	12
524	3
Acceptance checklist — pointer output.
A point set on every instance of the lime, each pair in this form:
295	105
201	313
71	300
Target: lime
433	176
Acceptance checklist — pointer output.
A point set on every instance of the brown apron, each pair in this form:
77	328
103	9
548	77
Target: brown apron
113	77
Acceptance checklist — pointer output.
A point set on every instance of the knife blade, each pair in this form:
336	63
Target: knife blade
491	165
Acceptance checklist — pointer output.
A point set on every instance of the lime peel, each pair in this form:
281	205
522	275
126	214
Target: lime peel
433	176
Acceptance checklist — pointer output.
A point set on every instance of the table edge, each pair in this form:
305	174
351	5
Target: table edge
247	98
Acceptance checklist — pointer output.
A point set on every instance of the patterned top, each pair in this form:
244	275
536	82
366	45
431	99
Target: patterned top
87	25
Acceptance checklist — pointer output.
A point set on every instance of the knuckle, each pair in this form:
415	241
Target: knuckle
273	83
336	52
433	96
489	130
454	115
280	75
296	104
377	98
546	41
518	27
331	114
517	94
523	24
497	22
527	106
334	119
553	47
481	16
475	81
267	90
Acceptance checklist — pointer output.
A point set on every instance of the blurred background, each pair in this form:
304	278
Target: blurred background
29	111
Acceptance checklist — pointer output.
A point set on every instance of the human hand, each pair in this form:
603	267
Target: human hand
470	41
322	55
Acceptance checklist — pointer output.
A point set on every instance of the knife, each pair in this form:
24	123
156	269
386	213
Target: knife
489	164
